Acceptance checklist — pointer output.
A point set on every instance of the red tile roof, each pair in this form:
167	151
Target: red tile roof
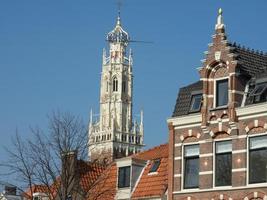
89	173
153	184
105	186
149	185
101	183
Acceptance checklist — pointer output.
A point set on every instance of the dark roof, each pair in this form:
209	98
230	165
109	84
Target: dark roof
251	62
182	105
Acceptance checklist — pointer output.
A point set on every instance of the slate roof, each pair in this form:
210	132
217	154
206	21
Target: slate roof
182	105
251	62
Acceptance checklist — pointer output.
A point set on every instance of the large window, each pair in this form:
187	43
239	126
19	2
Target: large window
223	163
258	159
124	177
191	166
221	92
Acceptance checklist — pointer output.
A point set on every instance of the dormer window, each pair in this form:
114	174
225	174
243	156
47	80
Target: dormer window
155	166
259	93
195	103
124	177
221	92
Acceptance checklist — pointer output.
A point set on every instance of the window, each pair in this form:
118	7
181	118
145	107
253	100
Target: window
155	166
191	166
221	92
223	163
258	93
258	159
124	177
195	102
115	84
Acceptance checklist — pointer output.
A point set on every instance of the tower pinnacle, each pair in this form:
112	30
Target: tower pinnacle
220	24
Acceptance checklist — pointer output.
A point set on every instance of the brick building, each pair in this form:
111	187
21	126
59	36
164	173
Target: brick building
218	131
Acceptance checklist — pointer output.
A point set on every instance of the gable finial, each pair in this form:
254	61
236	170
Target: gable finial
219	24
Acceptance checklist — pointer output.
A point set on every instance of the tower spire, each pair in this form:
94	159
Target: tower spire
119	14
219	25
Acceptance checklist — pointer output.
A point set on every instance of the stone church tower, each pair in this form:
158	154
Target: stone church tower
114	134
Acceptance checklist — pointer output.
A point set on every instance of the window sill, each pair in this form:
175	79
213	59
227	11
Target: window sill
219	108
152	173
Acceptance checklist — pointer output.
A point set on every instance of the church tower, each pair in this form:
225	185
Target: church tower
114	134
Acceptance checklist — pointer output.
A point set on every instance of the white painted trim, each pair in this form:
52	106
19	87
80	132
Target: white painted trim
239	170
185	120
141	174
216	122
177	175
178	158
221	188
237	92
205	172
239	151
205	155
252	111
187	126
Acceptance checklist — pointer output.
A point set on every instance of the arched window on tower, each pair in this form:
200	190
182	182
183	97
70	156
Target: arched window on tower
115	84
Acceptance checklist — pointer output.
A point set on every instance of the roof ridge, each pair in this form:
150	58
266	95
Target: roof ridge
248	49
148	150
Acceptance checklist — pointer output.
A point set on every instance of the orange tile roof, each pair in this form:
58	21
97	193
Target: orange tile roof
153	153
89	173
105	186
153	184
101	183
35	189
149	185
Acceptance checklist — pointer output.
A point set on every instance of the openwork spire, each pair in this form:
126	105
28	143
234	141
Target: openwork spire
118	35
220	24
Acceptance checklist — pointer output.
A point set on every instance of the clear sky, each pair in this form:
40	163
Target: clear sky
50	54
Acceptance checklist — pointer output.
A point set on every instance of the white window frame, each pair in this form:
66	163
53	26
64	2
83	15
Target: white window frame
247	173
182	166
215	91
213	161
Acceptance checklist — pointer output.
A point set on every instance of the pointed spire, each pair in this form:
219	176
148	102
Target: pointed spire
142	122
91	118
104	57
220	24
119	17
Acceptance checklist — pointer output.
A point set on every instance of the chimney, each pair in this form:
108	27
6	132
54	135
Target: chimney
69	175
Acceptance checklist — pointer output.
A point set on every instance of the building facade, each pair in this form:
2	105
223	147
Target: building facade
115	134
218	131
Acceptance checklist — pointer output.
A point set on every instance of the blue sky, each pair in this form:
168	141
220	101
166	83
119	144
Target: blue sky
50	55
